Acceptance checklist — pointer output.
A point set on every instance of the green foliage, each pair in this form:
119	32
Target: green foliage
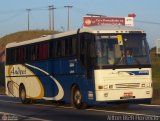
155	61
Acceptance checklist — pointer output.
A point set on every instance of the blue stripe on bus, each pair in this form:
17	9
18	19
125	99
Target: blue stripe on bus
67	72
136	72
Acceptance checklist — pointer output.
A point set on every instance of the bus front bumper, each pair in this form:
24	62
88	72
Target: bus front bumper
131	95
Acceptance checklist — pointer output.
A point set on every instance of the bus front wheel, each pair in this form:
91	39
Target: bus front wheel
76	98
22	95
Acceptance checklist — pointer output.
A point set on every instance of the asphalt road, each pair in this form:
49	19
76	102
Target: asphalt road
12	109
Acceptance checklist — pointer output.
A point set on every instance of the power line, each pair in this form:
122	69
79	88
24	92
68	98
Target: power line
147	22
23	10
52	18
11	17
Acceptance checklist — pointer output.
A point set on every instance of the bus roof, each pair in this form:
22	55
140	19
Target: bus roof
92	29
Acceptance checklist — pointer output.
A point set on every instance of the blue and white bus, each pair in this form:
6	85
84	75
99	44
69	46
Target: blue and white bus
93	65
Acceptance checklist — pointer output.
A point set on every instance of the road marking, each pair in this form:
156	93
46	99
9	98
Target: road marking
47	105
116	112
10	101
17	116
138	104
69	107
149	105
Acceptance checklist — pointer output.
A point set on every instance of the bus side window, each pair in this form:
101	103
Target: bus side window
33	56
82	50
74	46
69	46
15	55
59	49
63	48
28	53
52	49
21	54
43	51
9	56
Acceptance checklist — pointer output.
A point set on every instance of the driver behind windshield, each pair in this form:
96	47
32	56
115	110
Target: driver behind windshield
129	57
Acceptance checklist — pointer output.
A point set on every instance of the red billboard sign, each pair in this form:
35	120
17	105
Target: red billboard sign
92	21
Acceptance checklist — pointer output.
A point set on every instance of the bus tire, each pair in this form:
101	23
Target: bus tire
22	95
76	98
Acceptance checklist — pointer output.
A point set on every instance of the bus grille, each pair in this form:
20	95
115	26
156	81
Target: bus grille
128	85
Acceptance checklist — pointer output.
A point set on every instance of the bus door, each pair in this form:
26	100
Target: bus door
87	53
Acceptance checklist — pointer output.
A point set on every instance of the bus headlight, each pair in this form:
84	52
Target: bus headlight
110	86
148	85
100	87
106	87
142	85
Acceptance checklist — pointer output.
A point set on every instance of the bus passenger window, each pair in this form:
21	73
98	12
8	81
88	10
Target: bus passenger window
43	51
82	52
74	46
63	48
67	47
15	55
33	56
59	49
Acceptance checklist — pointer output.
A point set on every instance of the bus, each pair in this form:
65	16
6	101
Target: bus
94	65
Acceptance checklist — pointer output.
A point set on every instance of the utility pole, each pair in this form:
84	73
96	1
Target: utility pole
51	17
28	18
50	11
68	7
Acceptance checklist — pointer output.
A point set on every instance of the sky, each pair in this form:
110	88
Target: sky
13	14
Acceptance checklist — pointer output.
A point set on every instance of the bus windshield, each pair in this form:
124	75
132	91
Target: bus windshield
125	49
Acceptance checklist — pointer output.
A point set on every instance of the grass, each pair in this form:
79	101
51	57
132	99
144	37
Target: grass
155	60
24	35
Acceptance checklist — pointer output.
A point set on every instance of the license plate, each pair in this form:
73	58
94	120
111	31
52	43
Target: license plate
127	95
